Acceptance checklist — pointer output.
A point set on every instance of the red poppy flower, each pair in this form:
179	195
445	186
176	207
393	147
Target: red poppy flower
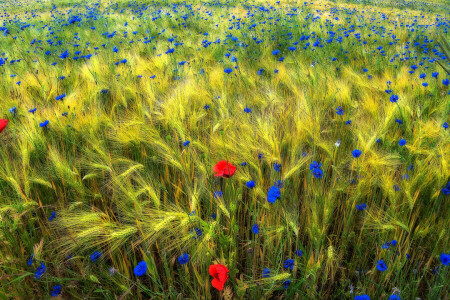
3	123
224	169
220	274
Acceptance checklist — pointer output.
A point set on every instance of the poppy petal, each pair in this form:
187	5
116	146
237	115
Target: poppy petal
3	123
223	276
213	270
216	283
220	166
224	169
219	174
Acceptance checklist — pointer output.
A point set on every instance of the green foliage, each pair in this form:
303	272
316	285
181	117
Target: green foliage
445	47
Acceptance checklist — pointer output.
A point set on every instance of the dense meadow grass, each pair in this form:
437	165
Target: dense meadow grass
301	149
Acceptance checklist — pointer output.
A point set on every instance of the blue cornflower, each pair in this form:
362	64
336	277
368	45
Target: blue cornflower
33	110
446	81
339	111
435	74
402	142
104	91
277	167
275	52
378	140
234	59
206	107
65	54
365	70
214	216
446	189
396	188
95	256
356	153
40	271
386	245
198	232
13	110
361	297
218	194
279	184
445	259
115	49
338	143
186	143
286	284
52	216
183	258
298	252
314	165
255	228
318	173
260	71
362	206
250	184
445	125
44	124
247	110
124	61
423	75
273	194
381	266
260	156
393	98
408	256
289	264
243	164
228	70
425	84
60	97
56	290
394	297
349	122
394	242
399	121
266	272
30	261
140	268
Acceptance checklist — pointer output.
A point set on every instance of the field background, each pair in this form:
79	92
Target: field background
115	171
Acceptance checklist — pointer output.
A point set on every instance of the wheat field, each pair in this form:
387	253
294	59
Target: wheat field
224	149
